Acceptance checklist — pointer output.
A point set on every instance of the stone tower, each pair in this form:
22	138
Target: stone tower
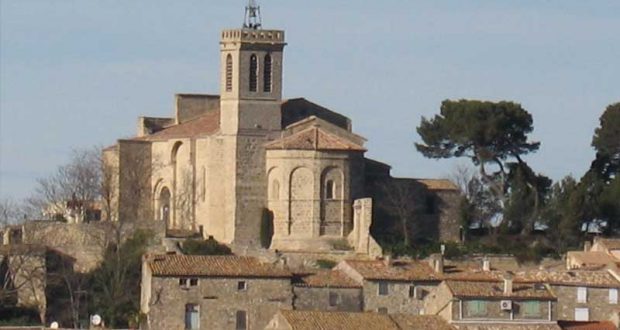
251	97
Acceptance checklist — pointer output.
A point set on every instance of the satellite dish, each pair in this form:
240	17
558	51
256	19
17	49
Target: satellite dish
54	325
96	319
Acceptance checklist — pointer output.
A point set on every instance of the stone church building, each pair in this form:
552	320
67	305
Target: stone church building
233	164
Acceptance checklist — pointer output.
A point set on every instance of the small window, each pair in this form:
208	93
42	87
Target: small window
431	205
253	73
241	320
242	285
531	308
193	282
383	289
582	314
182	282
229	73
267	74
613	296
412	291
333	299
192	317
476	308
382	310
582	294
329	189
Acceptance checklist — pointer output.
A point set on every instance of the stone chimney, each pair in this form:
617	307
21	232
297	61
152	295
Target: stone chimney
436	262
387	260
486	265
508	284
587	245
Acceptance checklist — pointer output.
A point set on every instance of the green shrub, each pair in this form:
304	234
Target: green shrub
204	247
325	263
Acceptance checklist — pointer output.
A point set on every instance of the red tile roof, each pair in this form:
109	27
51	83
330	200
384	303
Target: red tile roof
328	279
438	184
602	279
495	290
176	265
314	138
314	320
204	125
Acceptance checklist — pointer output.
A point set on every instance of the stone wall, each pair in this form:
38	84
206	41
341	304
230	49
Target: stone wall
342	299
218	300
597	303
398	299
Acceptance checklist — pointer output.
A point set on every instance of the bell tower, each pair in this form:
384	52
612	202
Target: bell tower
251	76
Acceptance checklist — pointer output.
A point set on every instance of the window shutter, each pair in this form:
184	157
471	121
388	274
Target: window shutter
613	296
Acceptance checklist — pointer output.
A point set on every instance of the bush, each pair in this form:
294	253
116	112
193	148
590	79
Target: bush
204	247
325	264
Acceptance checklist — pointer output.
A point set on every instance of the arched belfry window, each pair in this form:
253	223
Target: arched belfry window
229	73
267	74
253	73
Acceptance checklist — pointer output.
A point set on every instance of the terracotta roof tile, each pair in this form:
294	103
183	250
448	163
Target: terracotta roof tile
610	243
438	184
591	258
399	270
495	290
569	278
206	124
216	266
505	326
421	322
314	138
316	320
328	279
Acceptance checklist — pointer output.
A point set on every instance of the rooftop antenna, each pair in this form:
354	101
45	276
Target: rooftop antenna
253	18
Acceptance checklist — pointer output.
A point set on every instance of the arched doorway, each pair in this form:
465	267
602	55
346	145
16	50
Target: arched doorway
164	206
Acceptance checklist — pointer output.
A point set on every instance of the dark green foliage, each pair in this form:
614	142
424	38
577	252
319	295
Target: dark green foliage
115	288
526	198
266	228
325	264
482	131
204	247
18	316
563	214
606	141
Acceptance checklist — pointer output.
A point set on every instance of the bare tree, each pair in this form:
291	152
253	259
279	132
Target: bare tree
400	198
72	187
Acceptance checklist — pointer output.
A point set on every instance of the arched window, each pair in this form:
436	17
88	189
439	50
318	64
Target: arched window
267	74
229	73
275	189
253	73
329	189
164	205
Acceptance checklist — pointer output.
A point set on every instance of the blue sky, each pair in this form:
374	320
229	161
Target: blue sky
77	73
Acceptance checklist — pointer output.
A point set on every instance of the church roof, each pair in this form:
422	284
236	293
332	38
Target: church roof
213	266
206	124
438	184
314	138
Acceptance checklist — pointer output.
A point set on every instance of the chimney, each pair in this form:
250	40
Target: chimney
387	260
486	265
508	284
436	261
587	245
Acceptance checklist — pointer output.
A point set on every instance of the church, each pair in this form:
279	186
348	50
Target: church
248	166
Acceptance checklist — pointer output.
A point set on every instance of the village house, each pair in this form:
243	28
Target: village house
212	292
494	305
582	295
601	253
327	290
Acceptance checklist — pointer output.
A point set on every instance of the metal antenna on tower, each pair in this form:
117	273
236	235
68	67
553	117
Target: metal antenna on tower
253	18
